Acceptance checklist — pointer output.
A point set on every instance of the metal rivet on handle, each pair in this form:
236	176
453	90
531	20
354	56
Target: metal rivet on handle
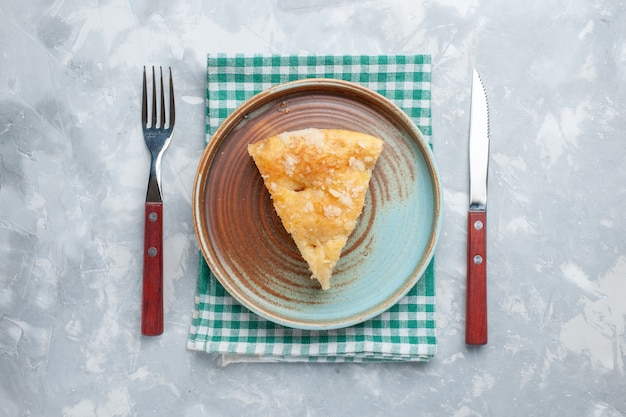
478	259
478	225
152	251
153	216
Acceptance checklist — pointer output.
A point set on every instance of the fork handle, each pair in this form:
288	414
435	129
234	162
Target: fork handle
152	303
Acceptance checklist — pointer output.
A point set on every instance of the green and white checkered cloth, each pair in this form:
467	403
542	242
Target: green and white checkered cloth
405	332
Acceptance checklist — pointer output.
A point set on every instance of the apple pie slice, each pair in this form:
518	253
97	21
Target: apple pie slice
318	179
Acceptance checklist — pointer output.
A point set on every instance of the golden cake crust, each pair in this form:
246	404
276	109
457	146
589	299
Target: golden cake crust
318	179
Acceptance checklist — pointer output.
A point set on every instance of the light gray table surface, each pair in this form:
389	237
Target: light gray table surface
73	170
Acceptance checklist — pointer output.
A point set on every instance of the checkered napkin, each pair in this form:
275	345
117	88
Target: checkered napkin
405	332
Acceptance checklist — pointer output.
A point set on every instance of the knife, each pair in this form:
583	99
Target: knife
476	297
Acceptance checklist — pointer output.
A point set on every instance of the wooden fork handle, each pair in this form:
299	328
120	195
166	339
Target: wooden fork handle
152	302
476	297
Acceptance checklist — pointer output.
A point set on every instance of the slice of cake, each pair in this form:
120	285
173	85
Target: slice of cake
318	179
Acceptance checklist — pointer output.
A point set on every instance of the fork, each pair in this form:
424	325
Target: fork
157	134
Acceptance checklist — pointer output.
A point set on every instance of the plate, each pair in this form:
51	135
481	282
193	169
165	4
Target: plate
255	259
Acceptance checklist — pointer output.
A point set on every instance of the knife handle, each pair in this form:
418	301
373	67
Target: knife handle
152	300
476	302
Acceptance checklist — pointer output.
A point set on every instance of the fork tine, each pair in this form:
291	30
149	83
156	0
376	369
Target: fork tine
162	125
172	109
154	100
144	100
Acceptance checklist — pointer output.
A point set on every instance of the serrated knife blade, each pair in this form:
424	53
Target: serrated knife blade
476	297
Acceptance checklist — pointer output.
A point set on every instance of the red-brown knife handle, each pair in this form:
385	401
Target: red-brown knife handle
152	301
476	302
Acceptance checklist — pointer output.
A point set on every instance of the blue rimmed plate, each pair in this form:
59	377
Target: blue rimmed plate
255	259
